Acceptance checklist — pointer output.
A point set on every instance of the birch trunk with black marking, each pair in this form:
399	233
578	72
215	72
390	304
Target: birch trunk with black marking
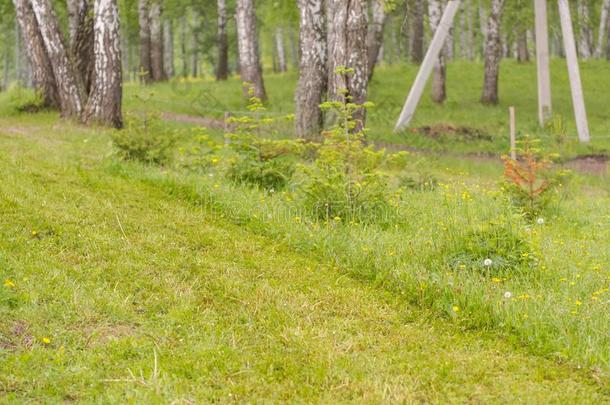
145	61
70	96
156	42
313	74
43	78
281	49
439	93
249	61
417	37
492	54
348	48
104	104
585	38
603	21
82	46
375	39
168	48
222	67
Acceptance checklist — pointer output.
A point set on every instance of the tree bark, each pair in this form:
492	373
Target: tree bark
603	21
281	49
608	39
375	39
492	54
145	60
183	54
156	42
70	96
417	38
523	53
313	74
222	68
43	78
82	50
249	61
439	92
104	104
168	48
348	48
585	40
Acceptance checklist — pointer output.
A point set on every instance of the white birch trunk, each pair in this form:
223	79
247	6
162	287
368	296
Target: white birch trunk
601	35
249	61
492	54
281	49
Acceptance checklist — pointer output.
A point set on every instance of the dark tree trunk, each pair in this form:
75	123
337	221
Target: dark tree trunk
348	48
43	78
104	104
145	60
183	54
70	96
156	42
251	71
523	53
417	37
222	68
82	50
375	40
313	75
439	92
492	54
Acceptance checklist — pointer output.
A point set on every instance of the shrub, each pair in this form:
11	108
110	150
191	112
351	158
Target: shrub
344	182
529	181
203	154
144	139
24	100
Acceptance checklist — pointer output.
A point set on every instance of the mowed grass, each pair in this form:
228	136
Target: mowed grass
389	88
121	287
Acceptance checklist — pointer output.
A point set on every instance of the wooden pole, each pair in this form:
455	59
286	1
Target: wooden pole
427	65
513	133
542	60
580	113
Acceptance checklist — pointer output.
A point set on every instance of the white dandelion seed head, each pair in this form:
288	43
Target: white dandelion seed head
487	262
508	294
540	221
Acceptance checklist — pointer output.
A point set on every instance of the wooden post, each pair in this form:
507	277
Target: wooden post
580	114
513	133
427	65
542	60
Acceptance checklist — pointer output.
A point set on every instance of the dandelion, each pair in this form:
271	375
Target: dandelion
46	340
487	262
9	283
496	280
337	219
578	303
540	221
34	233
456	309
297	219
508	294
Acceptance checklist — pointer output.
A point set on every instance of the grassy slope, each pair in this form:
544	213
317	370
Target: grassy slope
119	272
388	91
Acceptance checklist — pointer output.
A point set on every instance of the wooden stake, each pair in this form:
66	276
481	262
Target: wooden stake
542	61
427	65
580	114
513	133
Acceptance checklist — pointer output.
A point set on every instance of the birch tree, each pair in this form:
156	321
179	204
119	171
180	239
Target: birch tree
43	78
70	96
81	50
156	42
249	61
313	73
348	48
168	48
375	39
104	103
603	21
439	93
145	60
417	36
222	67
585	40
492	54
281	49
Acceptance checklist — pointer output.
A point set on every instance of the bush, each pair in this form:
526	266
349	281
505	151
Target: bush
529	181
344	182
144	139
203	154
21	99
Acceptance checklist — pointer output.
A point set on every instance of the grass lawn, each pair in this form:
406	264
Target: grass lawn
389	88
123	288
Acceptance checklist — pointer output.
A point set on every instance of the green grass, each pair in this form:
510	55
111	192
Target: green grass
157	286
389	89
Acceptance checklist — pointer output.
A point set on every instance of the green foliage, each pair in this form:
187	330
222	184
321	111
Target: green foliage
418	182
257	161
144	139
344	182
21	99
202	154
